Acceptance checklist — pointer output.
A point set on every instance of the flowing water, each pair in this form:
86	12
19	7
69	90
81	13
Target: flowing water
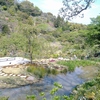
68	81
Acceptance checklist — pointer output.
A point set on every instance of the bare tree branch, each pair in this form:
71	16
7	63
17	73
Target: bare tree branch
72	8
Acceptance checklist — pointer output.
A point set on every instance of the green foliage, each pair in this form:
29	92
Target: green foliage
65	26
42	94
36	11
13	44
53	92
12	10
76	63
58	21
58	85
39	71
68	98
4	98
22	15
7	3
32	97
54	71
89	90
56	98
43	27
28	7
30	20
4	7
93	34
2	2
5	29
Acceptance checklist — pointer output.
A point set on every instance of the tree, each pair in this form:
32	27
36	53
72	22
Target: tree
59	22
73	8
93	38
28	7
2	2
36	11
93	34
31	43
6	2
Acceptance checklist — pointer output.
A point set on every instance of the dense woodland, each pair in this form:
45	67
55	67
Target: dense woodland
28	32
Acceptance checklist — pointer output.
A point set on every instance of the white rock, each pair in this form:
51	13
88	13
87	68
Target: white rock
30	78
5	75
23	76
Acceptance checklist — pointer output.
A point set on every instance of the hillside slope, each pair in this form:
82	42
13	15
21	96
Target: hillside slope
28	32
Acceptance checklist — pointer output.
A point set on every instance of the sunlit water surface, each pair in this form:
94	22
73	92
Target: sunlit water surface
68	81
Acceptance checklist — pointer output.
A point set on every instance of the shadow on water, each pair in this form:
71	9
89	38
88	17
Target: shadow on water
68	81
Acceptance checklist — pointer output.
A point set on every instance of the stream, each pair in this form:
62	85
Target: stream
68	81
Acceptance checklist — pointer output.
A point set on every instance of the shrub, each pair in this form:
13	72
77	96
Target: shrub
4	8
37	70
32	97
12	10
54	71
5	29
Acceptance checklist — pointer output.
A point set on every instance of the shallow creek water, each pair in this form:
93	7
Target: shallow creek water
68	81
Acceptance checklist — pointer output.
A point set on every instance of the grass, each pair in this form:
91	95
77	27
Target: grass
96	59
4	98
40	71
76	63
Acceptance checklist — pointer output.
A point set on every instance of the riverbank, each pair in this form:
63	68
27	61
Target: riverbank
14	71
14	76
17	71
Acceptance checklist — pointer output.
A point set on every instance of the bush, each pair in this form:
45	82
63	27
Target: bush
23	15
5	29
37	70
12	10
54	71
4	8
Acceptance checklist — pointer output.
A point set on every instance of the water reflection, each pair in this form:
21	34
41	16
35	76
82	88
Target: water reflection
68	81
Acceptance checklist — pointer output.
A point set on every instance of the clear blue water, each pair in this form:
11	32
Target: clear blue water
69	81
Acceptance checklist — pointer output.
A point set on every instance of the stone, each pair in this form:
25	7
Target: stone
30	78
23	76
5	75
